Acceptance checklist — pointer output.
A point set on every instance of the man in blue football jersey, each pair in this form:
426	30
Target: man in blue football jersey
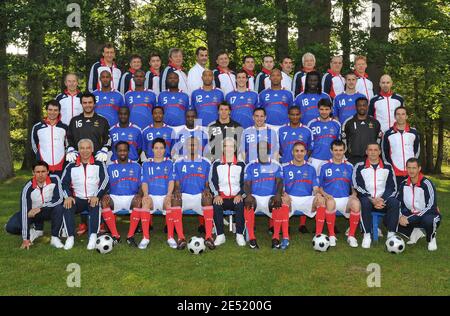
344	105
294	132
140	101
157	184
108	100
243	101
157	130
301	187
175	103
307	101
254	134
126	132
206	99
335	181
191	129
276	101
191	192
263	186
325	129
125	180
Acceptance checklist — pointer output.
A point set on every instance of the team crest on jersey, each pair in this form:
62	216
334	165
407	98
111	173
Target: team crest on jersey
166	170
96	124
345	173
180	101
215	99
283	98
199	169
370	125
130	136
146	99
131	172
332	131
112	101
249	100
305	174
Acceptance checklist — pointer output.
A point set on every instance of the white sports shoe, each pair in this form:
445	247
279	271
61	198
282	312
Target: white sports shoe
56	242
380	233
70	241
367	240
220	239
240	240
352	242
333	241
92	241
35	234
416	234
144	243
63	233
172	243
432	245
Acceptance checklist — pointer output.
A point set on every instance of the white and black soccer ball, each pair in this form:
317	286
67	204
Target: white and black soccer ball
395	244
104	244
196	245
321	242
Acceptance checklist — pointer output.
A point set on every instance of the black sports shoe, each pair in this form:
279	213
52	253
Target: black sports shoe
253	244
181	244
210	244
270	231
131	242
302	229
116	240
275	244
201	229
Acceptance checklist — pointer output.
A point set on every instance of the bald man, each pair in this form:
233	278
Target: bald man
206	99
383	105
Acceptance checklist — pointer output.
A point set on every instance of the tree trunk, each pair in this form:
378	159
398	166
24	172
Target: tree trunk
318	32
6	164
440	146
429	148
214	27
127	28
418	112
282	39
345	34
34	87
379	39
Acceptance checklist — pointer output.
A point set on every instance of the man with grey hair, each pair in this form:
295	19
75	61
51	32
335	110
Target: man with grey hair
84	183
298	83
175	65
332	82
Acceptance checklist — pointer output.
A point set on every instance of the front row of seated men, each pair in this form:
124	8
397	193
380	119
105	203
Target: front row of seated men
193	183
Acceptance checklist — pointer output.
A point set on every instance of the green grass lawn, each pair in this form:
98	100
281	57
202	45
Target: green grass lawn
228	270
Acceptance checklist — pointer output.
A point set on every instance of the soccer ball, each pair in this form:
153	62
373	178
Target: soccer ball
196	245
321	242
104	244
395	245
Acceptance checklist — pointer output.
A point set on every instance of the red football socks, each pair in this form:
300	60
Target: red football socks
110	220
201	220
354	221
302	220
331	220
284	215
320	219
249	215
208	214
277	222
169	223
135	217
178	221
146	218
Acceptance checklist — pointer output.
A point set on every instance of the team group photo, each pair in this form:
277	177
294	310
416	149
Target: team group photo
230	138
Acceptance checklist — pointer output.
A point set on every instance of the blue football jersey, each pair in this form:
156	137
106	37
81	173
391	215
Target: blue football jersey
192	174
276	103
336	179
150	133
141	104
288	136
242	106
324	133
263	177
157	175
107	104
206	102
308	105
186	133
131	134
299	180
124	179
252	136
175	105
344	106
